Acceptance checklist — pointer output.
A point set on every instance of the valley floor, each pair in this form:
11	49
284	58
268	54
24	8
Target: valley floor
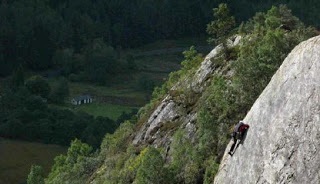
18	156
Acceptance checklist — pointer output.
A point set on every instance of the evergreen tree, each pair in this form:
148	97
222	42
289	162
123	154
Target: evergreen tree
18	77
220	28
37	85
60	91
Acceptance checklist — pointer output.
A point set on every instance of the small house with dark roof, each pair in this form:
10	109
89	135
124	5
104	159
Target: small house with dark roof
81	100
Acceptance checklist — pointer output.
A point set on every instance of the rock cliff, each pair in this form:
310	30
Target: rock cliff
175	110
283	142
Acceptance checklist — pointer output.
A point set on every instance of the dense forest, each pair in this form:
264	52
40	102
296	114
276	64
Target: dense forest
74	34
27	112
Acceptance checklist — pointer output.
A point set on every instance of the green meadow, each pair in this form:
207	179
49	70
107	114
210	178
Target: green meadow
17	157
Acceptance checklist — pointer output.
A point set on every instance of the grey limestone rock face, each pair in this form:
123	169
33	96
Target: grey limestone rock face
172	111
283	142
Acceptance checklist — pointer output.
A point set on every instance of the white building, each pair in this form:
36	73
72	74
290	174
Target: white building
81	100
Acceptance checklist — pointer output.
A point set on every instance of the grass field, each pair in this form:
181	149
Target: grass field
107	101
16	158
77	88
162	44
105	110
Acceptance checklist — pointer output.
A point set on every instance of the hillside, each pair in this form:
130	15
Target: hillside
282	145
181	135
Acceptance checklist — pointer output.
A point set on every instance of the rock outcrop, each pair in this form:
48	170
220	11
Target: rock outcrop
283	142
175	113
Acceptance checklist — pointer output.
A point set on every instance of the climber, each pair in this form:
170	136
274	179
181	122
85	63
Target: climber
238	133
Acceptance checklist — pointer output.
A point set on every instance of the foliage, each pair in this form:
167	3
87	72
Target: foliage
36	175
65	58
210	172
44	123
225	100
269	37
100	62
117	141
45	31
60	91
269	44
18	78
47	35
151	169
192	60
37	85
186	162
219	28
75	165
117	154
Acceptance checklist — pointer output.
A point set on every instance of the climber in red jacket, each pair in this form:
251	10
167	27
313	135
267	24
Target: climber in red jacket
238	134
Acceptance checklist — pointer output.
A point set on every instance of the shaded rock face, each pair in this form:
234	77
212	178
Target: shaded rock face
172	112
283	142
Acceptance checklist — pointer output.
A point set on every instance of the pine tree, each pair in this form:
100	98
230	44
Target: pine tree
220	28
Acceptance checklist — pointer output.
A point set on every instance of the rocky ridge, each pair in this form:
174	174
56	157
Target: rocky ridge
173	112
283	142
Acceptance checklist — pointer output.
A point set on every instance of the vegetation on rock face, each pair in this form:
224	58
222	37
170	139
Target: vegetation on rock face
192	60
267	39
76	165
36	175
264	46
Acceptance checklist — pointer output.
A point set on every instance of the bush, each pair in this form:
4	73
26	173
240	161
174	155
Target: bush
211	171
38	86
60	91
151	169
186	162
65	166
219	28
36	175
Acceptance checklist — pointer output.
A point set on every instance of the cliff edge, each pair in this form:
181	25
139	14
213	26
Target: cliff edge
283	142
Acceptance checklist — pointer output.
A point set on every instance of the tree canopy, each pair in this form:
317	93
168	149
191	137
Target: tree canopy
33	32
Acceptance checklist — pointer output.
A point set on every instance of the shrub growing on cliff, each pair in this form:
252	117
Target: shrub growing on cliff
192	60
151	169
36	175
183	165
273	36
70	166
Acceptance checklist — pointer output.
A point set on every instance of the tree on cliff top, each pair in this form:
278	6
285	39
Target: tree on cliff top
220	28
